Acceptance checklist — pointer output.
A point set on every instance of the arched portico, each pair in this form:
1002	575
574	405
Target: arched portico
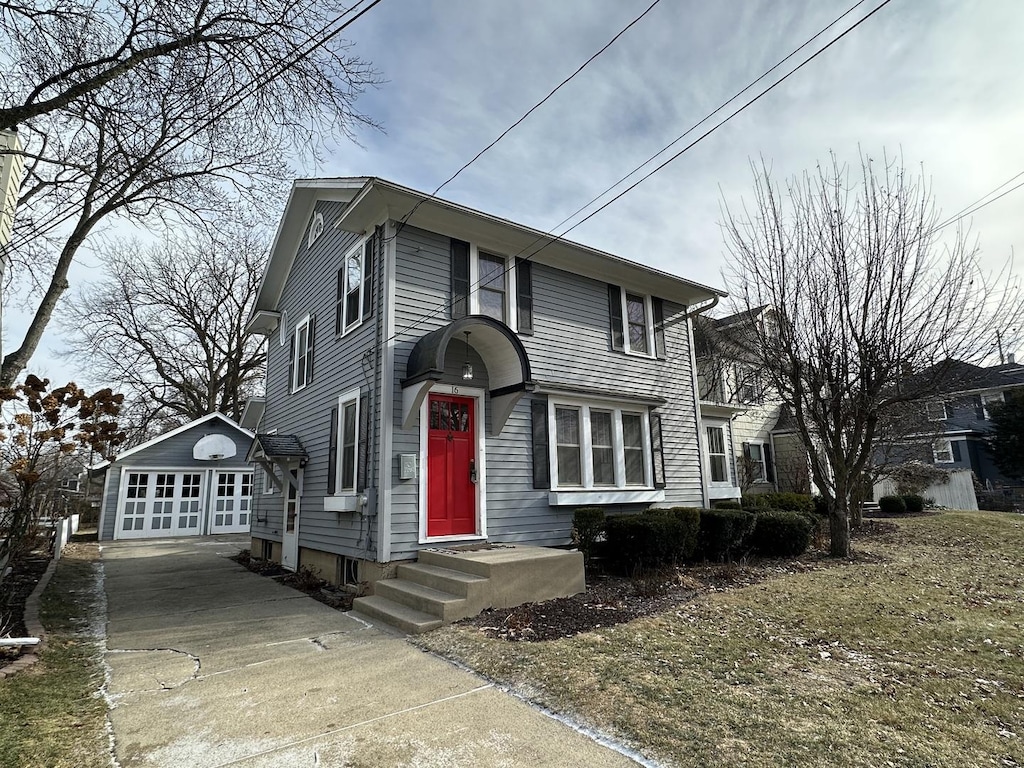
508	367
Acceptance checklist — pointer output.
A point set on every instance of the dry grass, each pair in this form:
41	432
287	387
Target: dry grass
911	655
51	714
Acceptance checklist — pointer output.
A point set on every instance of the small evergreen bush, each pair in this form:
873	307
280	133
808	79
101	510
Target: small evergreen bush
892	505
781	533
587	525
655	538
787	502
914	502
723	533
727	504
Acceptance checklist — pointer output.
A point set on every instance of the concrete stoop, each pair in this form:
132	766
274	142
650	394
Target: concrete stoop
445	585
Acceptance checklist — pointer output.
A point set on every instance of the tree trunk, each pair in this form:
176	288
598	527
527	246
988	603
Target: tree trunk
839	526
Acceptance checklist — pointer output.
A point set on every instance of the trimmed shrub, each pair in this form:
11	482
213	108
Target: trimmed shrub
914	502
723	533
727	504
655	538
892	505
752	501
787	502
781	533
587	525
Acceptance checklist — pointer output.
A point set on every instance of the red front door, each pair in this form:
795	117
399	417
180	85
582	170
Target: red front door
451	466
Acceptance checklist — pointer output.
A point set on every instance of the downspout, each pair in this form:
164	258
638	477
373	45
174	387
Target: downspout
701	446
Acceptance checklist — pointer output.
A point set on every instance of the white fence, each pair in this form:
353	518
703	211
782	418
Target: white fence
958	493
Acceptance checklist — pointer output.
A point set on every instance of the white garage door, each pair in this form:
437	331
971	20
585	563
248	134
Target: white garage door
157	504
232	502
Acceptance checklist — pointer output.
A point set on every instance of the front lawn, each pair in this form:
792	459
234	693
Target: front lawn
910	654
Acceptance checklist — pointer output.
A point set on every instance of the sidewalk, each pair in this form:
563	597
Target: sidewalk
212	665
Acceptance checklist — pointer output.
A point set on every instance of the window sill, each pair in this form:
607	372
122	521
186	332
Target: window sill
609	496
347	502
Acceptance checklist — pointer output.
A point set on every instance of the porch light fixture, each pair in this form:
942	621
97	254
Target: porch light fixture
467	369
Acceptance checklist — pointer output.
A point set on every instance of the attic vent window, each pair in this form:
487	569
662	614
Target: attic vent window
316	228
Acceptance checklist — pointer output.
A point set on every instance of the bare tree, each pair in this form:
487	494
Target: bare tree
158	114
869	306
167	323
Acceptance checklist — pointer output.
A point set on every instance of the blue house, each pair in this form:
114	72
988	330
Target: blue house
445	387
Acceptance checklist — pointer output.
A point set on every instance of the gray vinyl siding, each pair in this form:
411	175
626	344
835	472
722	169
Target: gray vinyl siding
570	346
311	288
174	453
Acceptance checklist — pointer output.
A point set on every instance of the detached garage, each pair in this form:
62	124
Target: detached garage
191	481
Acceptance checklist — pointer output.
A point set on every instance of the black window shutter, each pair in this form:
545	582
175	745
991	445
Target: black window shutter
371	251
460	278
524	295
363	440
615	316
657	452
955	445
659	328
769	470
332	454
311	328
979	407
291	360
541	468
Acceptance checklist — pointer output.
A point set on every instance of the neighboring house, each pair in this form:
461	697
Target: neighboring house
441	377
752	447
957	418
193	480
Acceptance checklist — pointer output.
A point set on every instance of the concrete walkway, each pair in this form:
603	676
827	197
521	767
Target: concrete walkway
211	665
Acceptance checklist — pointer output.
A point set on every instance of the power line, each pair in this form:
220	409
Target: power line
550	238
528	112
974	207
247	90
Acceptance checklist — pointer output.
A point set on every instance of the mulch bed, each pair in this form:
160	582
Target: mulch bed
303	580
14	591
612	599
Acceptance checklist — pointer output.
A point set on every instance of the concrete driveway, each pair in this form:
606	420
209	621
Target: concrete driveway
211	665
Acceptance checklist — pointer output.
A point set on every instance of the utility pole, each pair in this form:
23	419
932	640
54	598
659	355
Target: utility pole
999	344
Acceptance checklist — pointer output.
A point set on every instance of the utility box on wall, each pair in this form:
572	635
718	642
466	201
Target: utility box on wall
407	466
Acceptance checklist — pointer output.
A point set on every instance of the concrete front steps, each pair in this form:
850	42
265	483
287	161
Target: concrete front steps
445	585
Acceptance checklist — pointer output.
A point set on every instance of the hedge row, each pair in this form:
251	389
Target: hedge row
660	537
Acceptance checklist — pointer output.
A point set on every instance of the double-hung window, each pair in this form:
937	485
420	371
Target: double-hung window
989	400
942	451
637	323
717	457
493	289
755	461
484	283
343	454
353	299
936	410
600	446
302	354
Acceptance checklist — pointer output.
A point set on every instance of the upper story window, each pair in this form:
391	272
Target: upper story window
936	410
989	400
637	323
300	367
598	446
484	283
354	293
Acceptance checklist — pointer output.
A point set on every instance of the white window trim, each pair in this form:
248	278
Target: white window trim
933	403
727	482
587	492
481	463
268	485
763	479
991	397
345	499
511	306
302	325
938	456
359	248
648	318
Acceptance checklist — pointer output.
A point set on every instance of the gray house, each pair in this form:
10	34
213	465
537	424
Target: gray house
191	481
441	381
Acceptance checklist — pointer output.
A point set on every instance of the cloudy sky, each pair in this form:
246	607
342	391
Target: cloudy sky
939	81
